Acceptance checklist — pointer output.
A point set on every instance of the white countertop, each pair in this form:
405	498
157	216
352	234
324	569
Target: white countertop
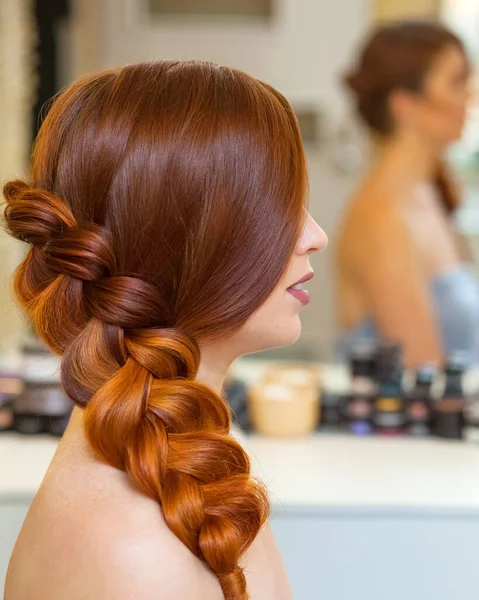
325	473
339	473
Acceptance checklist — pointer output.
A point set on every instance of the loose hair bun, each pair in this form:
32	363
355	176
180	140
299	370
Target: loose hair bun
353	82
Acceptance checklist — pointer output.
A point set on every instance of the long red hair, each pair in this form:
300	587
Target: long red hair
164	205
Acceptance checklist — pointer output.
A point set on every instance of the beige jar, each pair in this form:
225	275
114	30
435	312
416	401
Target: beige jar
285	403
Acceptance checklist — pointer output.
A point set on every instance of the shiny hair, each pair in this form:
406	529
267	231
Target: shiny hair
399	55
163	208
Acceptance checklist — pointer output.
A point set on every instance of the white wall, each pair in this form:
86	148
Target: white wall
299	51
302	52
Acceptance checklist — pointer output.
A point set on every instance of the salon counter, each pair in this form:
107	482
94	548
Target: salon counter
354	518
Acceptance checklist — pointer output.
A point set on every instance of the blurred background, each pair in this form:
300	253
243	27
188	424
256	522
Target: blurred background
303	48
396	514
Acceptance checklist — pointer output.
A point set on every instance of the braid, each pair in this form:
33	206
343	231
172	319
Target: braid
145	411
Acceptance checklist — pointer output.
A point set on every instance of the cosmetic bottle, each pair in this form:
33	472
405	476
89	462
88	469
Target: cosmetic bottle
359	408
419	402
389	416
448	415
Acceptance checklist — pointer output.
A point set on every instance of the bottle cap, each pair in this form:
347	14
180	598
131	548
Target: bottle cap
456	363
389	360
426	374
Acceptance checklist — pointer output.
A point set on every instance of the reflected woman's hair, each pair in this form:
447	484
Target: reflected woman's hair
399	56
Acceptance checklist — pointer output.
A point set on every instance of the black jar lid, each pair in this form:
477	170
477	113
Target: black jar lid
448	424
363	360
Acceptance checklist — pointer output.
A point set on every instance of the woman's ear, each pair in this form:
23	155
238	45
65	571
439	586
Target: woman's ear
403	107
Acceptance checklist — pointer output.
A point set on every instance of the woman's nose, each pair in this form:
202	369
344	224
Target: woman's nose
313	238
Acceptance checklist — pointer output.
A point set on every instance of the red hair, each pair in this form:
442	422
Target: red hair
164	205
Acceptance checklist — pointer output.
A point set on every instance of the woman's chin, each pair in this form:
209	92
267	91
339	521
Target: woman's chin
261	333
283	335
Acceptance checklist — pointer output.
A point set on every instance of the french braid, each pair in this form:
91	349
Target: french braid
145	412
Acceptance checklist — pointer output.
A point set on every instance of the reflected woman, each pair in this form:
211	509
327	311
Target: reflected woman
402	271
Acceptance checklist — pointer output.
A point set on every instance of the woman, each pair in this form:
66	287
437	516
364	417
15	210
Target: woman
156	194
402	272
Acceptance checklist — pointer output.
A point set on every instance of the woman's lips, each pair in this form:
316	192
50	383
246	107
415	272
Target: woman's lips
302	295
298	292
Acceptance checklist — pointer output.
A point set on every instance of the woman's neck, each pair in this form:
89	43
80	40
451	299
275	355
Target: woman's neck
216	359
410	157
214	365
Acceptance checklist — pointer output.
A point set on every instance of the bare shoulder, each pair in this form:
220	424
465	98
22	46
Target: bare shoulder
142	558
146	560
135	560
372	219
91	535
264	569
373	201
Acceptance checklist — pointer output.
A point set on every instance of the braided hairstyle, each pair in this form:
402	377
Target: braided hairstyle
155	195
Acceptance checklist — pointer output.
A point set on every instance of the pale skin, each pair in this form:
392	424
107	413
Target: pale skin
90	535
397	235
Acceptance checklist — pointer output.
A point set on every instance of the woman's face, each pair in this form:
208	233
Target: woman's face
439	111
276	322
